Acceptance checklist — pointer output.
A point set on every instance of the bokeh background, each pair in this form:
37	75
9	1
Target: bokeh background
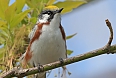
88	21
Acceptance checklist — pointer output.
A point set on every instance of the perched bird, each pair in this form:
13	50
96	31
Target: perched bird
47	40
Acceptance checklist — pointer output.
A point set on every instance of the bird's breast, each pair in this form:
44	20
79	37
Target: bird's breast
49	47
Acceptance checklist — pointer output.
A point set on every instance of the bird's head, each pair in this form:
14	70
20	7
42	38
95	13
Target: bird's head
50	13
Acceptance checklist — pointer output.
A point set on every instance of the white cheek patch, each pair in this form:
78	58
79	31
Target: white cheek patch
44	18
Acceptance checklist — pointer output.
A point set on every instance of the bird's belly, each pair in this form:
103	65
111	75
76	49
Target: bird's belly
48	48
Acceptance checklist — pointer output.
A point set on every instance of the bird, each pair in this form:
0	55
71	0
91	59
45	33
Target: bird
47	40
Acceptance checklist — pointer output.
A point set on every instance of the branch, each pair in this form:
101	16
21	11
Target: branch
110	38
17	72
111	32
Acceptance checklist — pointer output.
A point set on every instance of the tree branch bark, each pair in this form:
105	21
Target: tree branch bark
17	72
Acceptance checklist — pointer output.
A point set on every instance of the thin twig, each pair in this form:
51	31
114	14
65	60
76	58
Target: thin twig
111	31
111	36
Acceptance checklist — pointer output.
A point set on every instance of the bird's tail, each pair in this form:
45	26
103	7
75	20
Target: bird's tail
64	72
22	57
22	60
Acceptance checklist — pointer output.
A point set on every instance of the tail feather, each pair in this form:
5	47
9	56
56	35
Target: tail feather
23	61
22	57
64	72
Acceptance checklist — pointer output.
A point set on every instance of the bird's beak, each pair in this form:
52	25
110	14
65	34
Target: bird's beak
59	11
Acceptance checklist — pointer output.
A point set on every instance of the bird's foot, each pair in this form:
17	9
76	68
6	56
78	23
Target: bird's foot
40	67
61	60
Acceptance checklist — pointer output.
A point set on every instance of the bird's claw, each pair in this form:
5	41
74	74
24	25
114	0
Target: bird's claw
61	60
39	67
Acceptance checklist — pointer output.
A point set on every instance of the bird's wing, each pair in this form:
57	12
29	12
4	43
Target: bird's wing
27	55
63	33
31	34
63	36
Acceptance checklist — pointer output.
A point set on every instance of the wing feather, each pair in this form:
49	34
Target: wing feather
31	34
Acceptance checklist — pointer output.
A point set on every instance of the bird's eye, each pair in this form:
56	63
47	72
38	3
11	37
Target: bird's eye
49	13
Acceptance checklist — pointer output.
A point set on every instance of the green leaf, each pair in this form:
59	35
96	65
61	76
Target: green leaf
10	12
69	5
45	1
35	13
19	17
69	52
20	4
4	34
50	2
2	39
3	6
4	27
29	3
36	3
2	22
2	50
70	36
33	20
